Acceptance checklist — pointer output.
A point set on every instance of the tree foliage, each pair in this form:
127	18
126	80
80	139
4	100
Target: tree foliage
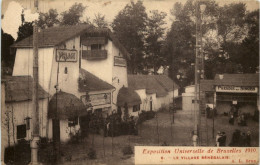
6	41
48	19
230	39
129	26
155	56
100	21
73	15
25	31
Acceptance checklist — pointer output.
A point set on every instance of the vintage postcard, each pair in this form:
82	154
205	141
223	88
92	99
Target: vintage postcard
129	82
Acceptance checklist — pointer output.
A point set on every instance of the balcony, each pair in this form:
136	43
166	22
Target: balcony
94	54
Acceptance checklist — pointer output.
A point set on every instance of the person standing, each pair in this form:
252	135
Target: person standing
248	139
218	136
194	139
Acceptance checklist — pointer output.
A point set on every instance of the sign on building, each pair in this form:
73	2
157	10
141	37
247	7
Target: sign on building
119	61
64	55
234	89
98	99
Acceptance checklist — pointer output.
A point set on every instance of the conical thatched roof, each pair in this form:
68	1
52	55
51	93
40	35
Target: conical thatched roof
66	106
129	96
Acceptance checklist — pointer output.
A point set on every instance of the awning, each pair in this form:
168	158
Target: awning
66	105
129	96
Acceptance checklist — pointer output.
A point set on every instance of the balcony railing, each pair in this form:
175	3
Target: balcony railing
94	54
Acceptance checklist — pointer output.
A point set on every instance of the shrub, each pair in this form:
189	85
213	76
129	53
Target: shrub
127	150
92	154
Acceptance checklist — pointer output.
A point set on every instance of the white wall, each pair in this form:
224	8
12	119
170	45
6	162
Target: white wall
118	73
100	68
18	111
65	130
154	102
67	82
24	64
187	104
142	94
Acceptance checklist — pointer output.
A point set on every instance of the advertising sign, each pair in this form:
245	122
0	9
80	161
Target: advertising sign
100	99
64	55
119	61
234	89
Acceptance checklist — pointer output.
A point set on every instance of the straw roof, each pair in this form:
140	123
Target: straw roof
129	96
19	88
66	106
89	82
56	36
158	84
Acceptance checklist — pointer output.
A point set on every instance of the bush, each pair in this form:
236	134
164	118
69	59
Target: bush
92	154
127	150
20	153
145	115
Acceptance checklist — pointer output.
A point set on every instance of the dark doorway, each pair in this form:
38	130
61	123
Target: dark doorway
56	130
151	105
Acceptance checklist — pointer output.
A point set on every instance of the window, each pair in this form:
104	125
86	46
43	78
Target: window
96	47
73	121
66	70
21	131
136	108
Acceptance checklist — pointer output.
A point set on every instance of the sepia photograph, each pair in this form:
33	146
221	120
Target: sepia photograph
129	82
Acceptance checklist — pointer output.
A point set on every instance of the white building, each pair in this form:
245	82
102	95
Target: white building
155	91
17	108
80	61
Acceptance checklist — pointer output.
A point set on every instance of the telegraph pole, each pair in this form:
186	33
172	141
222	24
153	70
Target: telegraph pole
196	73
35	112
199	62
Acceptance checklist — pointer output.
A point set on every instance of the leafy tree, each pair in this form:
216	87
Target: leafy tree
247	53
154	40
230	22
48	19
129	27
6	41
25	30
99	21
73	15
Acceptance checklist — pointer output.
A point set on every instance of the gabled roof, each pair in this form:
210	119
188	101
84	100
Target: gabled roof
237	79
55	36
159	84
89	82
166	82
19	88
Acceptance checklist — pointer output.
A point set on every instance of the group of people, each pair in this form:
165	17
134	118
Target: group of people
211	112
235	112
241	139
221	139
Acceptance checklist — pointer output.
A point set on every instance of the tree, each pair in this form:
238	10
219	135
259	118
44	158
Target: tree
99	21
7	58
73	15
25	31
129	26
154	57
247	53
48	19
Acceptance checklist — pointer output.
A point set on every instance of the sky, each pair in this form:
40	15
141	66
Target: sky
12	9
